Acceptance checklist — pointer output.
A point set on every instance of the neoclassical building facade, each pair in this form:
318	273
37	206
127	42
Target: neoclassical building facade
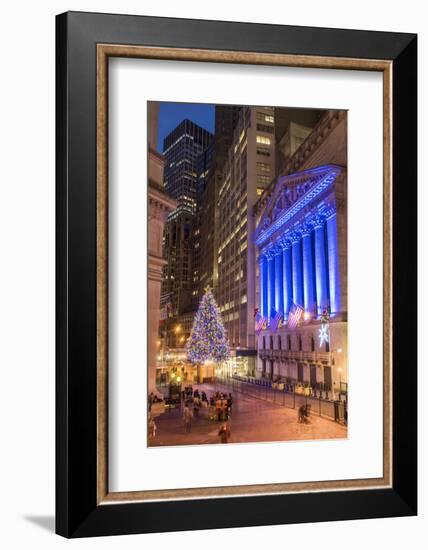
160	205
301	240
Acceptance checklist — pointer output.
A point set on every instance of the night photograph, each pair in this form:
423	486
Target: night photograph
247	274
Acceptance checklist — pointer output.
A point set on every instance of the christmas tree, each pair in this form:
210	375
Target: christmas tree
208	339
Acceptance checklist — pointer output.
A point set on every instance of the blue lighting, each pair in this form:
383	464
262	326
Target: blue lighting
308	272
296	260
279	294
301	266
321	280
333	264
322	178
288	280
263	286
271	283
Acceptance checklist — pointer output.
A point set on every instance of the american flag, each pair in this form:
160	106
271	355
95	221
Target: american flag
258	322
294	316
275	318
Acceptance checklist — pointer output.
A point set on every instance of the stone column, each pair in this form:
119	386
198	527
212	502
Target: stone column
270	282
287	275
296	253
320	265
154	290
279	290
160	205
308	270
333	264
263	284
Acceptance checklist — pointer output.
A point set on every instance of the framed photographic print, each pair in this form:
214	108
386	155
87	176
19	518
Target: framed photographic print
236	274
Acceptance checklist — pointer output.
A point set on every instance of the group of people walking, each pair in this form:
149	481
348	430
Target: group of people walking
218	406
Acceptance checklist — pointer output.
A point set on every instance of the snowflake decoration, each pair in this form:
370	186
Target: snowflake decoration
323	334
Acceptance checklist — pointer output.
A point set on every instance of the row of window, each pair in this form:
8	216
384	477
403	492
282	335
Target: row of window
263	117
264	140
265	128
288	346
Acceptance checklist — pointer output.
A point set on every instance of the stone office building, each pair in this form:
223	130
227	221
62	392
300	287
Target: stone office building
160	205
249	168
182	149
301	241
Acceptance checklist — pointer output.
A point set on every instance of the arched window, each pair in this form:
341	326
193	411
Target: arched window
300	342
264	342
270	342
312	344
289	341
279	342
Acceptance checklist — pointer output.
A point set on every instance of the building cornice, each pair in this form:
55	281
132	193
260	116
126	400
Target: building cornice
161	199
276	217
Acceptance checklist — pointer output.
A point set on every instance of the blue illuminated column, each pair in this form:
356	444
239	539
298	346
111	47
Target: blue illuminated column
320	265
333	263
263	284
287	275
308	270
279	290
296	255
270	282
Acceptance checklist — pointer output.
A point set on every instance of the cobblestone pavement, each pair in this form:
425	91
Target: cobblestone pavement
252	420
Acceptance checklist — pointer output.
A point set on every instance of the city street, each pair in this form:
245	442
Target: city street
252	420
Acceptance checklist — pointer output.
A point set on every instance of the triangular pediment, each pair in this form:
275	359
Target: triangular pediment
290	194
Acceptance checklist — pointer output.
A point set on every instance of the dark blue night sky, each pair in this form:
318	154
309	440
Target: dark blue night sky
171	114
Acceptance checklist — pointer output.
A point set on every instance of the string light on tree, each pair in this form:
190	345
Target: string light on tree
208	340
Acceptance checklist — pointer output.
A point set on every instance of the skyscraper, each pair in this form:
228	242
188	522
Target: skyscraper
226	117
182	149
249	168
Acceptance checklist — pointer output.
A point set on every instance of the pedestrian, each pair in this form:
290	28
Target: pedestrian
187	419
224	433
151	396
196	405
230	403
218	408
211	410
152	428
224	408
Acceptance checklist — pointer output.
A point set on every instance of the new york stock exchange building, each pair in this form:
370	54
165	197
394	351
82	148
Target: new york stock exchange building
301	247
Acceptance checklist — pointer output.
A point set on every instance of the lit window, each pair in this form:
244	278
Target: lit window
263	167
263	180
263	139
